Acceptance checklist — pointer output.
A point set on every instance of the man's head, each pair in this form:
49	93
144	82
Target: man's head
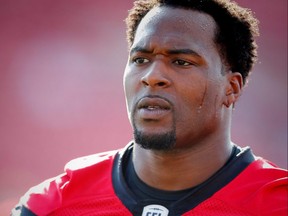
235	34
183	74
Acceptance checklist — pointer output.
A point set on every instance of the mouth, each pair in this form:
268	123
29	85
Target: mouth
153	108
154	103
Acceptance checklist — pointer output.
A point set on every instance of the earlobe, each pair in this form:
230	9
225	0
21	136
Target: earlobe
234	88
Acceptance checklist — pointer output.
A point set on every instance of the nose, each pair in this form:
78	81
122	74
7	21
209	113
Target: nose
156	76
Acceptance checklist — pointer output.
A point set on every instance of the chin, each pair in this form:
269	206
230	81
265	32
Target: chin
159	141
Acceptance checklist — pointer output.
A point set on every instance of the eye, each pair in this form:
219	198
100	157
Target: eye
182	62
140	60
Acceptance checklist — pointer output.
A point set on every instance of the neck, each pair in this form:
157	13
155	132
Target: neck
182	168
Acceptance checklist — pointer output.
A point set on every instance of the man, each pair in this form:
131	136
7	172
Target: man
187	65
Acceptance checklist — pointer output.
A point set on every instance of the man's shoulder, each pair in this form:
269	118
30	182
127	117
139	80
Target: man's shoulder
93	170
86	162
260	174
261	187
266	170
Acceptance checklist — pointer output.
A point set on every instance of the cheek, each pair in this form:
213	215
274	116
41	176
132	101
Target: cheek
126	79
128	97
130	88
127	89
212	106
199	100
193	94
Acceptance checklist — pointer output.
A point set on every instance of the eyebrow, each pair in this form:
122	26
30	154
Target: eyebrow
183	51
171	52
139	49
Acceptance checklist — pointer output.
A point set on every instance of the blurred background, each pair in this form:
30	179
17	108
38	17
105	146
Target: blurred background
61	95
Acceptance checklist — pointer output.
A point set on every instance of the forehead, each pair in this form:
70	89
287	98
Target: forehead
175	27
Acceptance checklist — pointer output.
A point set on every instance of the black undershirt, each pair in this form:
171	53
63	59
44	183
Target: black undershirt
145	192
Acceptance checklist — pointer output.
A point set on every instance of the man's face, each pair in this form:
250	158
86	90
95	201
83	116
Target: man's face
174	79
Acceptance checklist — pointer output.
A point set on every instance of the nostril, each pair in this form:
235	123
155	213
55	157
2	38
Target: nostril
154	79
144	82
161	84
154	83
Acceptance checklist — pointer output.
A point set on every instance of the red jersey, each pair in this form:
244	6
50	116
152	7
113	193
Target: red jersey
95	185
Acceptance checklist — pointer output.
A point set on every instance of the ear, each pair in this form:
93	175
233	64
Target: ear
233	89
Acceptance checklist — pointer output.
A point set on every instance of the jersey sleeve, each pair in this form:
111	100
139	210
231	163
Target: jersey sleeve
261	189
52	194
43	198
272	198
21	211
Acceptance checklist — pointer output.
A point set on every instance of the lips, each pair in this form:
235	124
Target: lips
153	108
153	103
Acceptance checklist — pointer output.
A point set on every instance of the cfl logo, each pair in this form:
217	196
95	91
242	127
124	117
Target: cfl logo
155	210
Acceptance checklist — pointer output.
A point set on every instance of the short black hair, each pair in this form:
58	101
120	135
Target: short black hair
236	28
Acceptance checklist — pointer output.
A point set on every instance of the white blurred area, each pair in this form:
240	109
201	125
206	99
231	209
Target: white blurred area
61	94
57	81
